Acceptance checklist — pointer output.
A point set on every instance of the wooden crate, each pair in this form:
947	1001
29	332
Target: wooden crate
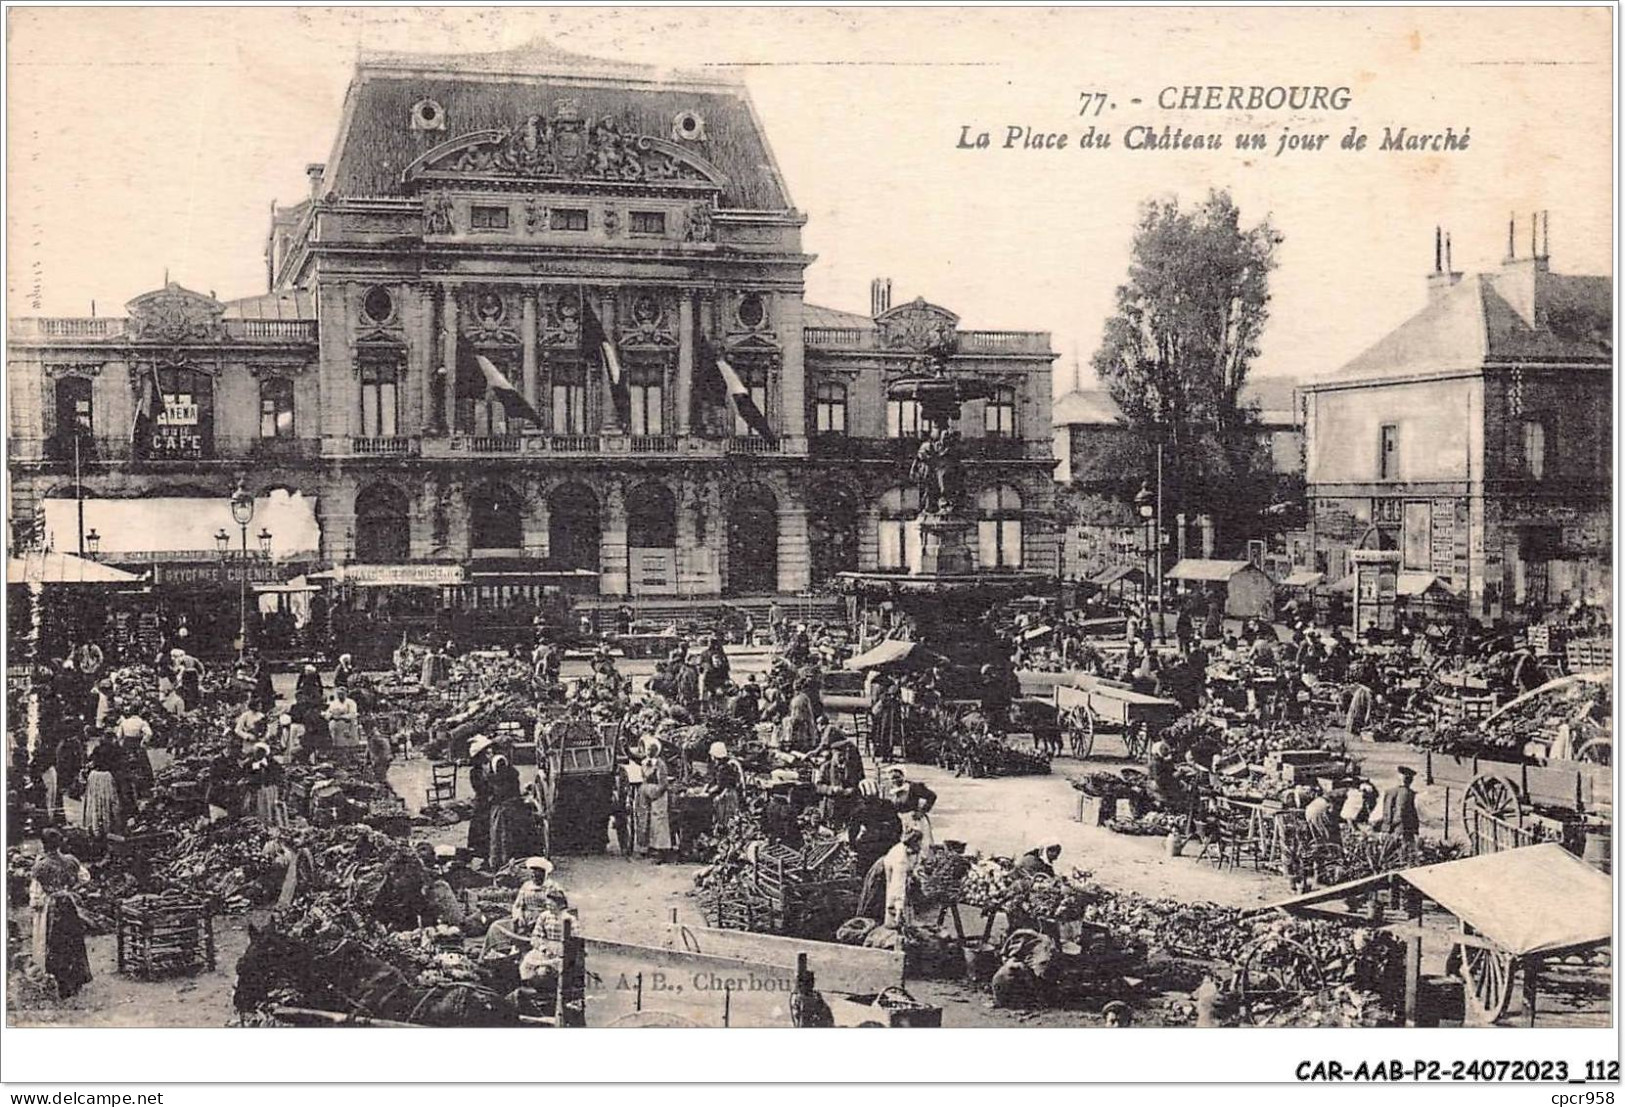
162	936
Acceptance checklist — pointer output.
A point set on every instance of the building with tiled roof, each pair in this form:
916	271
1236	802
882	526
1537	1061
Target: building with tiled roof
1475	438
493	208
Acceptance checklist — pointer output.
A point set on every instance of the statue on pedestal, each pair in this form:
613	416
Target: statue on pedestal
937	471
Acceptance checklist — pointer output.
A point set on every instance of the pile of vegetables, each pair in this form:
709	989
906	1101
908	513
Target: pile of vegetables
1029	899
1147	824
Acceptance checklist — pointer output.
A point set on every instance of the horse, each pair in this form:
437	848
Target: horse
349	979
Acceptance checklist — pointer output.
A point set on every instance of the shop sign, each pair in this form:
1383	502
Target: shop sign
423	575
1442	547
233	572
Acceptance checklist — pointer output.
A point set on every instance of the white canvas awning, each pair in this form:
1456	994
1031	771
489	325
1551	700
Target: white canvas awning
1302	578
64	568
1196	568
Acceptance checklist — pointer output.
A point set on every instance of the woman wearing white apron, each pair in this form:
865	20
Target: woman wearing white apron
914	802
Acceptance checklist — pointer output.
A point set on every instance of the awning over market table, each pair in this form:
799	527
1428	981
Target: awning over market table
1538	899
1108	577
1197	568
1302	578
891	651
64	568
1406	586
1531	900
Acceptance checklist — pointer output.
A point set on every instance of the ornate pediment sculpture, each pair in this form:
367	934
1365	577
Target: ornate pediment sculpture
566	146
919	326
175	314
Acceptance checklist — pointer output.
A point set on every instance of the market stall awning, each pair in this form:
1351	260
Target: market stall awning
1196	568
182	528
891	651
1538	899
64	568
1302	578
1420	584
1035	632
1116	573
1342	587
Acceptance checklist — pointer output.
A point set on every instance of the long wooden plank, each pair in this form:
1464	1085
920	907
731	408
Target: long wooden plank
837	967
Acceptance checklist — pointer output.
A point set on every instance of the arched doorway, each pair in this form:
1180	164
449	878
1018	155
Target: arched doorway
383	525
496	522
573	530
651	539
832	532
753	541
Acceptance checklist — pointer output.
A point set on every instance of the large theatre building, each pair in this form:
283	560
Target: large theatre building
505	209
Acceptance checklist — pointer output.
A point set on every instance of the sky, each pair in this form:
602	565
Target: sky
146	141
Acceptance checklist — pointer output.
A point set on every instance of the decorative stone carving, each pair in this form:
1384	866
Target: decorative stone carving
486	317
57	370
176	314
571	147
612	222
648	323
919	326
698	228
537	216
561	320
437	214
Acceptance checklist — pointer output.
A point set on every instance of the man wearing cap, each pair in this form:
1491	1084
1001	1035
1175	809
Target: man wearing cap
838	776
1399	807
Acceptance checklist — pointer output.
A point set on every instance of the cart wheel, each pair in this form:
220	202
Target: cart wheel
1486	982
1277	974
1081	726
1598	751
1489	795
1136	739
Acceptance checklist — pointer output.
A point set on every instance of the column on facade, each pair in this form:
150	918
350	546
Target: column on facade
341	384
527	338
417	310
613	578
793	375
795	566
685	359
448	352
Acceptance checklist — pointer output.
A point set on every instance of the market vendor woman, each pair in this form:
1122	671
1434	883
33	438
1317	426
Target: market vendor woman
59	932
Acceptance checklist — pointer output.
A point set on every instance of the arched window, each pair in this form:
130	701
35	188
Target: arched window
496	519
651	517
998	528
573	530
276	408
900	529
383	526
753	541
829	408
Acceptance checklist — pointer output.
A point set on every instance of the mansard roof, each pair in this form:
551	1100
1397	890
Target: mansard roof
499	92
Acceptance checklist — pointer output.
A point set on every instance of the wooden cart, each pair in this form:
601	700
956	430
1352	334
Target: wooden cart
575	785
1087	709
1505	915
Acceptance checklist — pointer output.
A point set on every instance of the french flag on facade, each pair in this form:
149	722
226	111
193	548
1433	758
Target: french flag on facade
594	340
501	389
740	396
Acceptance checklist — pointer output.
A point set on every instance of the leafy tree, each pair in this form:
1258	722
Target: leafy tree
1175	355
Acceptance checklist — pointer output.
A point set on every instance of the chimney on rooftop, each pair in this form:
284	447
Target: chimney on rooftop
879	296
313	172
1443	278
1520	280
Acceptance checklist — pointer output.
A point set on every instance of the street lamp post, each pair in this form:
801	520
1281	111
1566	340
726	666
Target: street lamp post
93	541
1144	503
242	510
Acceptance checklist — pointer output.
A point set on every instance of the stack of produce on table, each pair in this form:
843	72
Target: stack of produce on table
449	813
987	755
1146	824
227	862
1192	929
940	873
1029	899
